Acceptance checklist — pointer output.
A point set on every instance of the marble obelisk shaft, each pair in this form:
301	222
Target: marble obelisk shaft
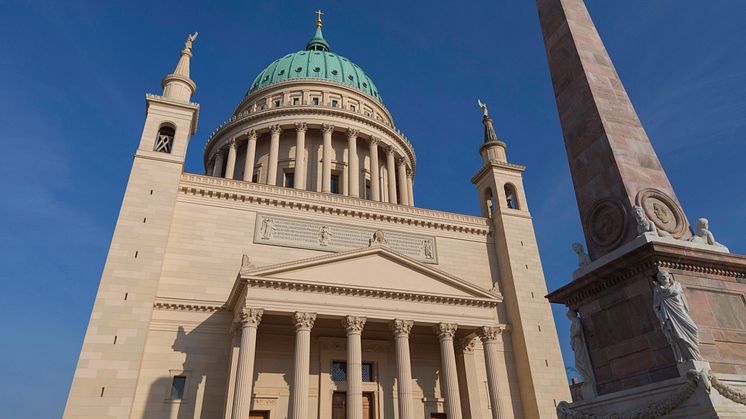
610	155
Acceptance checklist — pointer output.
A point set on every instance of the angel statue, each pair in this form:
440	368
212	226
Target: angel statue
190	40
672	309
483	106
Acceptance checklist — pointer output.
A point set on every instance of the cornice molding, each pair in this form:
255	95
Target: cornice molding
249	192
335	289
194	307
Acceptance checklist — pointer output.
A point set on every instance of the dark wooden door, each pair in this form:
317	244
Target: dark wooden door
369	406
339	405
258	415
438	416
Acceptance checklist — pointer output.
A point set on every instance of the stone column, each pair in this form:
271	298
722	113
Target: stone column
489	336
410	187
354	327
353	167
249	321
303	323
401	330
402	171
300	154
449	374
375	181
230	168
248	169
326	160
217	169
274	154
391	169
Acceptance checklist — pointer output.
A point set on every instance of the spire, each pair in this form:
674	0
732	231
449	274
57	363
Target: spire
178	85
318	43
492	149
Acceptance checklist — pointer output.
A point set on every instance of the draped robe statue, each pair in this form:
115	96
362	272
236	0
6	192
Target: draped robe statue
672	309
579	347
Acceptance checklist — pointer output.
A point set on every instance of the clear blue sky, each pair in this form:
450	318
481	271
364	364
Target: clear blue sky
73	77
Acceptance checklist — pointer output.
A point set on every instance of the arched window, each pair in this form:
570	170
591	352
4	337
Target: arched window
165	139
511	198
489	203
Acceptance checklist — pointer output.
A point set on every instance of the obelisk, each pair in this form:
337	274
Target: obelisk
613	164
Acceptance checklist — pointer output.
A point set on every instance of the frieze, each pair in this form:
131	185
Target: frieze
333	237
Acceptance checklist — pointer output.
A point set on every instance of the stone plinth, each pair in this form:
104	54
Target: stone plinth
615	302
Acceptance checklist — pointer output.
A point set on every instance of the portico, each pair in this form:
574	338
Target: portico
360	324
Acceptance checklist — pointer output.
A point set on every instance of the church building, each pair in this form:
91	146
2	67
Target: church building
296	277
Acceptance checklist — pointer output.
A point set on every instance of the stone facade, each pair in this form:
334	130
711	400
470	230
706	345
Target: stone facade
234	296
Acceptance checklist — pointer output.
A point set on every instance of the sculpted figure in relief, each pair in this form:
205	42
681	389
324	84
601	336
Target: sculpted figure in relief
583	258
325	236
672	309
644	225
428	248
580	348
268	228
378	238
704	235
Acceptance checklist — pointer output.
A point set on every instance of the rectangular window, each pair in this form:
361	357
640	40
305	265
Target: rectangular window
368	194
335	103
255	177
178	384
352	108
335	184
277	104
289	179
296	101
339	371
315	101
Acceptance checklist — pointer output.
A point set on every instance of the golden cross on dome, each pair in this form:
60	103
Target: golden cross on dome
319	13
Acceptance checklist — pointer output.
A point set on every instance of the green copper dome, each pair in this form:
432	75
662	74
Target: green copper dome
316	62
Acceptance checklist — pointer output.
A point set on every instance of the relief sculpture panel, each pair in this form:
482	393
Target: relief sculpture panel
335	237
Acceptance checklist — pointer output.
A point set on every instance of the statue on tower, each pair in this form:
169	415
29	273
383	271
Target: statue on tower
190	39
483	107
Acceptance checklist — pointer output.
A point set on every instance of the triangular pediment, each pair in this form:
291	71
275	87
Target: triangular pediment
376	268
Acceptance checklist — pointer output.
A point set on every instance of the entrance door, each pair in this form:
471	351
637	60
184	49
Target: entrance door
258	415
369	407
339	405
438	416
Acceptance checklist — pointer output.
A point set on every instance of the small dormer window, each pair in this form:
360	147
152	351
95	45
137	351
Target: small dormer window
165	139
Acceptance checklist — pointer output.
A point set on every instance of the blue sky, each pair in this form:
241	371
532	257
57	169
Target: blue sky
73	77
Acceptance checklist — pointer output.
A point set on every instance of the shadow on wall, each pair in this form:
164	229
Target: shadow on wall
196	388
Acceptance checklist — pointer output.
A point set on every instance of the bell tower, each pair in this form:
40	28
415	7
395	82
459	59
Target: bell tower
536	350
107	371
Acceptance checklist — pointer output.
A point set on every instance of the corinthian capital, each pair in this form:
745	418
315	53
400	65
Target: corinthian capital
374	141
352	133
390	151
250	317
468	344
301	126
354	324
303	320
251	135
232	143
401	327
276	130
489	333
445	330
327	128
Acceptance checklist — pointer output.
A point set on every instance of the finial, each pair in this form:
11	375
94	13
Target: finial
189	41
483	106
319	13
